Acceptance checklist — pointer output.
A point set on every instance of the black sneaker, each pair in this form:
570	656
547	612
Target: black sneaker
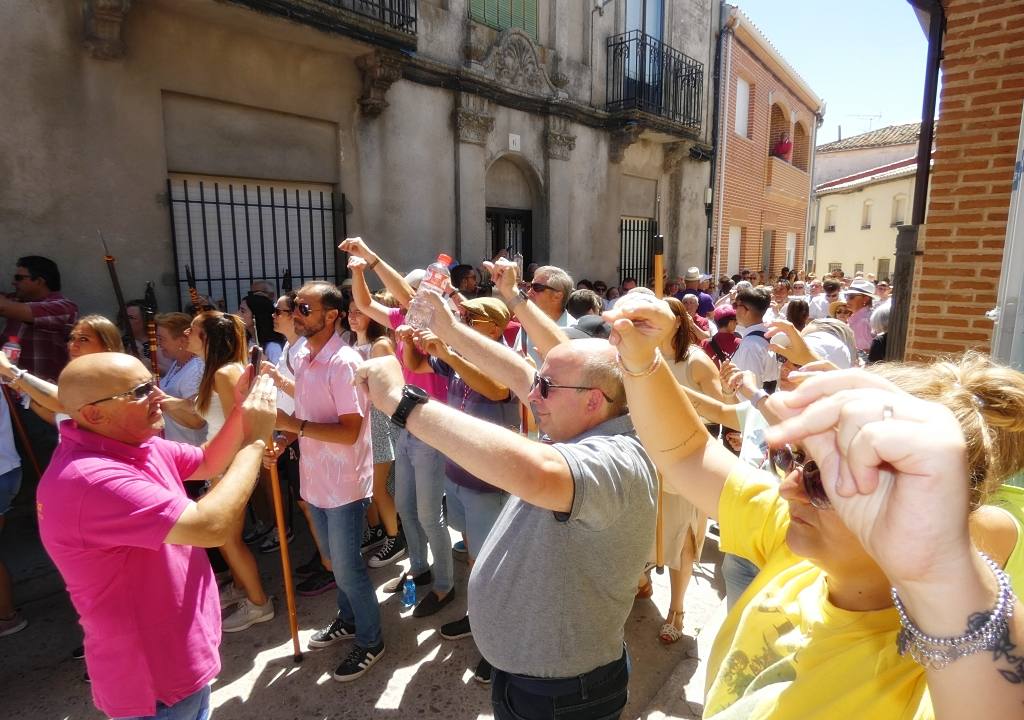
272	542
373	536
432	604
256	532
358	662
312	567
78	653
316	584
456	630
391	551
335	632
393	586
483	672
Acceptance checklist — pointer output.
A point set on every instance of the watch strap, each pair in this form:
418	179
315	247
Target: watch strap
405	406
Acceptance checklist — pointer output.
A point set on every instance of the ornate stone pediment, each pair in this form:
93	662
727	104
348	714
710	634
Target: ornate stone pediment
514	62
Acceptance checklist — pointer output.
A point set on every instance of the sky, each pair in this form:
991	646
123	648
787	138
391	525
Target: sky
865	58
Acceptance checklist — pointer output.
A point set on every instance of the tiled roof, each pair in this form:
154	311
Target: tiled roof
892	135
883	173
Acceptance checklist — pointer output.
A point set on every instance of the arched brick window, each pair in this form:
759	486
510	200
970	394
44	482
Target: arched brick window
801	147
778	127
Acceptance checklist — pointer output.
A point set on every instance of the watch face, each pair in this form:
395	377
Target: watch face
416	393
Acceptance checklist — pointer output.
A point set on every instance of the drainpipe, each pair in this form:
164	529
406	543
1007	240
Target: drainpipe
720	151
906	238
819	120
710	194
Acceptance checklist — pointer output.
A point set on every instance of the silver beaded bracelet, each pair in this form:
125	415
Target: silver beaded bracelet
936	653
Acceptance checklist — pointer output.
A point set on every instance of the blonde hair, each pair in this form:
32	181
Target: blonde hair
988	401
106	331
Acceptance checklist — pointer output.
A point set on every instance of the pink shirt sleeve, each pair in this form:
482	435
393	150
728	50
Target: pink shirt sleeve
347	399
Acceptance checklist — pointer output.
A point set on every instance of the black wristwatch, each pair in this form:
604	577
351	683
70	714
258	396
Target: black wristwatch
411	397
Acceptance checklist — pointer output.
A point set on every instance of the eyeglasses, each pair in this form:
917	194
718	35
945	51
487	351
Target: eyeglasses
18	277
540	287
786	459
139	392
546	385
305	309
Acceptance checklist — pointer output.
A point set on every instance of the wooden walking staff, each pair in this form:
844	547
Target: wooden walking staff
149	315
286	561
659	290
122	309
19	427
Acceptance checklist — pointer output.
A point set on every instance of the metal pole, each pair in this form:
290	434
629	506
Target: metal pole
659	290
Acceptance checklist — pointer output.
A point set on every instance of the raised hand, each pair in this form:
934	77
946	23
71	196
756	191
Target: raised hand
356	263
640	323
894	467
358	247
504	275
442	319
382	378
259	409
431	344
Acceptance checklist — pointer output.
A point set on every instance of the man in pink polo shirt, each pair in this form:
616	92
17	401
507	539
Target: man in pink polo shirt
335	468
114	517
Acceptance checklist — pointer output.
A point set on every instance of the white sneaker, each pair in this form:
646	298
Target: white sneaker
247	615
231	594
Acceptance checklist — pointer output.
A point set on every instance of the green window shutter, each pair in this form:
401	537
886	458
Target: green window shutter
482	10
530	18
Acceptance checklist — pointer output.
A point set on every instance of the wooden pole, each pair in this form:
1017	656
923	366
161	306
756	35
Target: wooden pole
659	290
286	561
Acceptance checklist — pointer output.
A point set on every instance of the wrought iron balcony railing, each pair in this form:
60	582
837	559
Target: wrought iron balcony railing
394	18
648	75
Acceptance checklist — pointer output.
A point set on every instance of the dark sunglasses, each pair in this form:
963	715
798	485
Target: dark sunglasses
139	392
18	277
540	287
546	385
785	460
284	311
305	308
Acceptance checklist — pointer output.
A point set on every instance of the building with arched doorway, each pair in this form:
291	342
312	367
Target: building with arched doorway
768	118
246	138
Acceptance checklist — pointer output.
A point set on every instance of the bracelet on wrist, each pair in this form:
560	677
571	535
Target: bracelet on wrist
302	428
372	265
985	631
643	373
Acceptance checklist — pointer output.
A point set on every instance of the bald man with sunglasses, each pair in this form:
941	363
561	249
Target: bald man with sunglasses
556	577
115	519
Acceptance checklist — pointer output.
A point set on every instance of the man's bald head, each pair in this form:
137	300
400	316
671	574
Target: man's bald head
86	389
596	359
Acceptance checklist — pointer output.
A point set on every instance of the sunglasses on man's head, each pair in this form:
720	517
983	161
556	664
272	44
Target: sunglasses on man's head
139	392
786	459
545	385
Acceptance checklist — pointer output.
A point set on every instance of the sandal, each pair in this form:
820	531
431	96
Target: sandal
669	633
645	591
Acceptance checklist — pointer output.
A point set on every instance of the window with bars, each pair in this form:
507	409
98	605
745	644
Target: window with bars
505	14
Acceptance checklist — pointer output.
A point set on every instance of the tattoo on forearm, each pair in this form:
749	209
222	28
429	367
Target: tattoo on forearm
1004	650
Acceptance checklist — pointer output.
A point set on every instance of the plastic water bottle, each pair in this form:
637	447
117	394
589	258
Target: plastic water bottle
408	592
518	260
12	349
420	311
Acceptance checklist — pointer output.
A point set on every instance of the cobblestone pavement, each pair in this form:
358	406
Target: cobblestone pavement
420	674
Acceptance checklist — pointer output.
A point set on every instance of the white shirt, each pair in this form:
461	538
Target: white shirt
752	354
8	453
819	306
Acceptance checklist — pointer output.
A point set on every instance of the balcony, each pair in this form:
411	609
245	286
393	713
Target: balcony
383	22
648	76
786	184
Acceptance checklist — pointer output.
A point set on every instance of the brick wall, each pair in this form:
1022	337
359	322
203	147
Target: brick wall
957	278
746	200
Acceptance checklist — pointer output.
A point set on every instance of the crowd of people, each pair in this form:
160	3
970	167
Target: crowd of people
872	535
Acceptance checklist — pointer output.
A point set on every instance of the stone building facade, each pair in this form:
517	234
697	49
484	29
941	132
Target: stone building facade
762	201
244	138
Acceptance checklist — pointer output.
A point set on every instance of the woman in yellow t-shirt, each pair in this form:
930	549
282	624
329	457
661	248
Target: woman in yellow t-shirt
879	490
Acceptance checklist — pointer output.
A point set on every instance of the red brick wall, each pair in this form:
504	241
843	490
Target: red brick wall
957	277
746	200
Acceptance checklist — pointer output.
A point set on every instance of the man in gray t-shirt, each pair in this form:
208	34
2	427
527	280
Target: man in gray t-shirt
555	580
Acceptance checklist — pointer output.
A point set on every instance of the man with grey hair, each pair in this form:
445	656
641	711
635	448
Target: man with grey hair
581	515
549	291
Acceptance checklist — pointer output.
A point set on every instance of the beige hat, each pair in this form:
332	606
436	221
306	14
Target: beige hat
491	308
692	274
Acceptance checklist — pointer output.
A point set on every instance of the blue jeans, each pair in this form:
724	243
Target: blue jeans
340	531
10	483
419	485
473	512
738	573
195	707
